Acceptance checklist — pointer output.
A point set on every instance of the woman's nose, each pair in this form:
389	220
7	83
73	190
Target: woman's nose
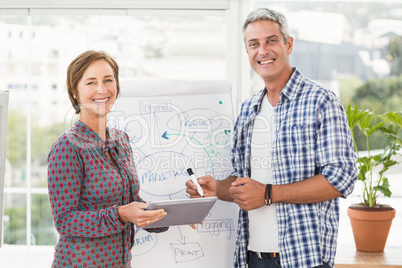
101	88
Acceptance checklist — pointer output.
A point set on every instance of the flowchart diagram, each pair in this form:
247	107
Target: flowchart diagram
174	126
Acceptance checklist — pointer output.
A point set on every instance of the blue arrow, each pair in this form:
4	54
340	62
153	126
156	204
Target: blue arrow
165	135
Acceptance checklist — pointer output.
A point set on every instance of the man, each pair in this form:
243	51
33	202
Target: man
289	208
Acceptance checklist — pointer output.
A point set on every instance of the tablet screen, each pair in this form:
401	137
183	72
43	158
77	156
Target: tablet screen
182	211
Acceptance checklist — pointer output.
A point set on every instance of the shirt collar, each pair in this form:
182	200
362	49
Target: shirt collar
256	102
92	139
291	88
289	91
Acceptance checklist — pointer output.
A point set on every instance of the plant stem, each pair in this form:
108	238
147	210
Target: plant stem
371	192
354	143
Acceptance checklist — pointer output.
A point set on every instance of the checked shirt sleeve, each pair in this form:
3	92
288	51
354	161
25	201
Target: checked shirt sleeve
335	153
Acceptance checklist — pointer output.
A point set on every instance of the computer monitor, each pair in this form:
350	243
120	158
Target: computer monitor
3	132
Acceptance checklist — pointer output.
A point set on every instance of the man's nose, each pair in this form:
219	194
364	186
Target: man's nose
264	49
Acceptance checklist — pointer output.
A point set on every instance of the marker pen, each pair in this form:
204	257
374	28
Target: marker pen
194	180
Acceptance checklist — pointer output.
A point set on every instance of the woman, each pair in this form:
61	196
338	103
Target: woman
92	180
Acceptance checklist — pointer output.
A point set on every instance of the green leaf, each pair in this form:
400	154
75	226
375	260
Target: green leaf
364	163
367	124
395	118
354	115
384	188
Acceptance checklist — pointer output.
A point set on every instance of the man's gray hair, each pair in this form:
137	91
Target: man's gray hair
262	13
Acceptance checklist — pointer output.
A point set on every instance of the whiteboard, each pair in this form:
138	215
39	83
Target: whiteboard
3	132
175	125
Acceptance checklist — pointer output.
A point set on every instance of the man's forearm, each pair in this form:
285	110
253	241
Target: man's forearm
313	190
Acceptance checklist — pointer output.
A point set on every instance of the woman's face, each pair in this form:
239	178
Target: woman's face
97	91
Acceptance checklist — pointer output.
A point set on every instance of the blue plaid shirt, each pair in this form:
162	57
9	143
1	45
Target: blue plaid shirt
311	137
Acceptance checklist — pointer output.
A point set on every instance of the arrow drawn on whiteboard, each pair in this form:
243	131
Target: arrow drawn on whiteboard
165	136
183	238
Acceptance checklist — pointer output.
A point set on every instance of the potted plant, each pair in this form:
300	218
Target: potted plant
371	221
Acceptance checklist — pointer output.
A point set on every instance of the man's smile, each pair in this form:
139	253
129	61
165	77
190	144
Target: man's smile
266	61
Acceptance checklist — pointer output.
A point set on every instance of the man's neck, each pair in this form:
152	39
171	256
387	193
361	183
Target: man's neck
274	87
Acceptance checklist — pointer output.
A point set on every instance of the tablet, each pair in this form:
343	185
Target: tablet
182	211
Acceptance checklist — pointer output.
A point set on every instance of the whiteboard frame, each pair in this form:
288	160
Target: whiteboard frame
4	96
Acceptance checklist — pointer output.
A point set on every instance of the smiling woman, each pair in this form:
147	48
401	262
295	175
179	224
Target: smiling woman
92	180
96	90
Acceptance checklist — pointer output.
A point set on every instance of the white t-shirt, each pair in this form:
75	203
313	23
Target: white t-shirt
263	226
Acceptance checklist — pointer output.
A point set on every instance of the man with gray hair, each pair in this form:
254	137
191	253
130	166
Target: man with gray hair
292	159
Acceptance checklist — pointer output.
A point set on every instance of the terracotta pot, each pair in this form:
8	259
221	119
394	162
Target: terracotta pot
370	227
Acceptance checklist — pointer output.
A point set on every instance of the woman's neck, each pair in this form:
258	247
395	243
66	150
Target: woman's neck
97	124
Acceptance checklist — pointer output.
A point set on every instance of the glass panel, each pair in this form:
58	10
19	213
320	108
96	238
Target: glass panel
176	47
50	49
16	148
13	77
352	48
43	230
15	219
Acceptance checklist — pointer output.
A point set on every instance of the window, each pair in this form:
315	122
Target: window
344	45
144	46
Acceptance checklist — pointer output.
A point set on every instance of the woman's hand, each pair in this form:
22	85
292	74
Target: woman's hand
135	212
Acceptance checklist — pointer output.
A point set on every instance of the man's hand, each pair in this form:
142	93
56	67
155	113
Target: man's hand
208	184
248	193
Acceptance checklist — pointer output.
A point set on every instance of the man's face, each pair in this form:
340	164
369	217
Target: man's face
267	52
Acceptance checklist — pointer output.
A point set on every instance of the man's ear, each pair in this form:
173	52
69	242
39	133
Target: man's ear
289	45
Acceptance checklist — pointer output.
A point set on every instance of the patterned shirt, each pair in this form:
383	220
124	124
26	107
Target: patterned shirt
311	137
85	191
